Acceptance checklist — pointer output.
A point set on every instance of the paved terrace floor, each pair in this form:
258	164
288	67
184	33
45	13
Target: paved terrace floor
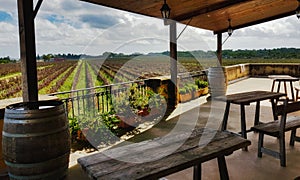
241	165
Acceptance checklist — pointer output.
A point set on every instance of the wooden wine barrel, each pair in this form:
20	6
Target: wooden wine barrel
36	142
3	167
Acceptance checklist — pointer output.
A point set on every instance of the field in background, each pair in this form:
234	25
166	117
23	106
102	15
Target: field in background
72	75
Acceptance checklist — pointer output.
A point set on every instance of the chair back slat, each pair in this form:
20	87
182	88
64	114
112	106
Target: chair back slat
293	107
290	107
283	109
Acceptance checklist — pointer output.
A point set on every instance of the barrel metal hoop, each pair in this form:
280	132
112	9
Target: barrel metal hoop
32	165
60	172
26	121
12	135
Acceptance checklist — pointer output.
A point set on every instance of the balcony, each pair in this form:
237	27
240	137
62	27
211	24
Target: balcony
241	164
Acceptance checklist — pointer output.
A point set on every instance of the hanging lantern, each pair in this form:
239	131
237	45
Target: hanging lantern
229	29
165	10
298	10
165	13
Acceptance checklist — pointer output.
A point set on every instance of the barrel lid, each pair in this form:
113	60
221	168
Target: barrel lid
50	104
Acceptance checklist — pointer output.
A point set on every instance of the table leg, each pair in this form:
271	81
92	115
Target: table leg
223	168
225	117
285	89
257	113
197	172
274	109
292	91
243	124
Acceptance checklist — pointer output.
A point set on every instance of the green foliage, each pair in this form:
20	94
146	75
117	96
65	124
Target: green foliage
188	88
136	99
111	121
47	57
182	90
73	126
81	84
201	84
5	60
279	53
105	124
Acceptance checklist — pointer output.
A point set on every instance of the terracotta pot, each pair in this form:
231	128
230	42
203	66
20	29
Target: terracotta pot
126	121
81	134
197	93
185	97
205	91
143	112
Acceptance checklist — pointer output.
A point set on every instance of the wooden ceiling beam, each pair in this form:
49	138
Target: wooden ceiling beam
258	21
210	8
122	8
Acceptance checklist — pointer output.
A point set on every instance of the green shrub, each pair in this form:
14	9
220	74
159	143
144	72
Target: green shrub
188	88
182	90
201	84
136	99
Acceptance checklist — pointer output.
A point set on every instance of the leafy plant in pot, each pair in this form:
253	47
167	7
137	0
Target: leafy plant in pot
121	106
203	85
185	94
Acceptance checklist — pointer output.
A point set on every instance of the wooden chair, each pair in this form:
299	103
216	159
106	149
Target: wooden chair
277	129
297	89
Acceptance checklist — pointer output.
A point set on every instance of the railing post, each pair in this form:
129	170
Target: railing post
73	110
66	106
98	104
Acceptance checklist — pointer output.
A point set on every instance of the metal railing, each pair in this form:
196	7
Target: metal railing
99	99
93	100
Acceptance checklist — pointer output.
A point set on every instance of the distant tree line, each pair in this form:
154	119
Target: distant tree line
280	53
47	57
6	59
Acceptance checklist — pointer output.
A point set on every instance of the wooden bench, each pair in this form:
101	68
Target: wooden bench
278	129
162	156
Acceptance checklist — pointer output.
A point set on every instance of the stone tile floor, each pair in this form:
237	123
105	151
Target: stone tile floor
241	165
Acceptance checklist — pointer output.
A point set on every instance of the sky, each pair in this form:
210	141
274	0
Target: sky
76	27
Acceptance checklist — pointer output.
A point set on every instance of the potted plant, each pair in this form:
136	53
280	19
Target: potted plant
202	85
194	90
185	94
121	106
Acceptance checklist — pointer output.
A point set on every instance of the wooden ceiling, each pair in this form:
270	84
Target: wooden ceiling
210	14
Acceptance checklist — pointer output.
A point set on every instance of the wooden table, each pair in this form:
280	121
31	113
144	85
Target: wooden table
244	99
190	152
284	79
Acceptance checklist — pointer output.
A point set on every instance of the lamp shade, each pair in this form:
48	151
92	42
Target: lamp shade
165	10
298	10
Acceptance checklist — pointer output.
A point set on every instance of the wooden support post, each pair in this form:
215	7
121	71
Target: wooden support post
173	60
219	48
28	51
